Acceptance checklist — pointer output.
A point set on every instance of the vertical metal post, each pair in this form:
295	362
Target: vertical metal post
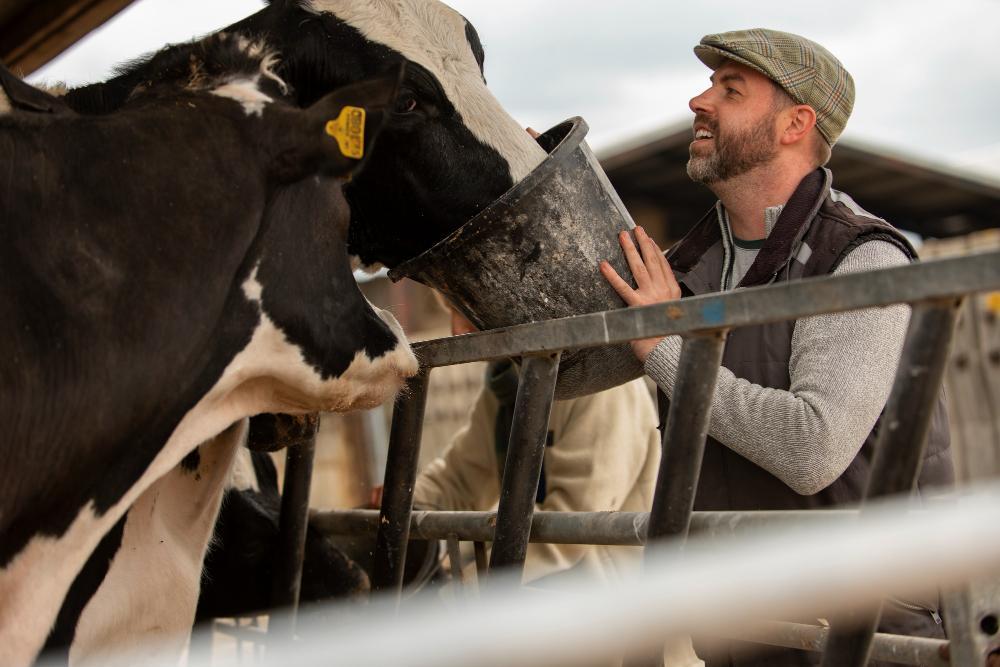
524	461
899	450
292	525
683	447
684	436
400	476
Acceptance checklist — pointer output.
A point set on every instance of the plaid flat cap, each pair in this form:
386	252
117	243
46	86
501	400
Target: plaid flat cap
803	68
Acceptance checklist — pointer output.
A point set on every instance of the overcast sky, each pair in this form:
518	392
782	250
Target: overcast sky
927	72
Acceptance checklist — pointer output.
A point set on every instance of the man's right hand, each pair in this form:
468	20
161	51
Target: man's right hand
655	282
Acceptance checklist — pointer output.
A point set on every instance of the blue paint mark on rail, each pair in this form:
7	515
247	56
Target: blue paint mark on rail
714	312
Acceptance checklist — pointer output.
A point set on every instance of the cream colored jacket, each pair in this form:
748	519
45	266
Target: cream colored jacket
604	455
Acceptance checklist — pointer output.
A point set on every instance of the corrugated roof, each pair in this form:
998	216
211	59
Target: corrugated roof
930	200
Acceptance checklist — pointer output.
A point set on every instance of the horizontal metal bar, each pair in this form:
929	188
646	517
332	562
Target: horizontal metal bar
757	305
605	528
899	649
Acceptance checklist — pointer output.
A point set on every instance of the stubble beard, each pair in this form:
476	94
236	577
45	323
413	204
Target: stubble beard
735	153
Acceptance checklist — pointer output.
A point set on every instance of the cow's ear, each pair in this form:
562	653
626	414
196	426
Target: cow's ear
352	117
376	93
26	97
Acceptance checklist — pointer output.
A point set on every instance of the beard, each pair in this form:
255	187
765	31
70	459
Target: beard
736	152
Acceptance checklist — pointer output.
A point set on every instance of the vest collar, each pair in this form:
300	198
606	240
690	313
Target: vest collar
701	273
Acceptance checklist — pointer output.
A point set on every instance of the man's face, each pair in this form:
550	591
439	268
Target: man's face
735	125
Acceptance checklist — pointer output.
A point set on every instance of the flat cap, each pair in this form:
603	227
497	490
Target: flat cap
805	70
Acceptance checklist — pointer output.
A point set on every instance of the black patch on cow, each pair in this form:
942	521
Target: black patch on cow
308	306
84	587
240	565
270	433
191	461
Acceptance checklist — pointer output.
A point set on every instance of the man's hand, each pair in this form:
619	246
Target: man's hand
655	282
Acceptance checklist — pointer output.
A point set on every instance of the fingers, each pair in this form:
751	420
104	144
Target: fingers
635	263
623	289
654	279
651	256
672	284
658	266
531	131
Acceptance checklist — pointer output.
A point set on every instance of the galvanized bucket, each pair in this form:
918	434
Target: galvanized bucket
533	255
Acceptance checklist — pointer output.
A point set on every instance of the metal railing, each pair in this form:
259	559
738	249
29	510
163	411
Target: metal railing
934	290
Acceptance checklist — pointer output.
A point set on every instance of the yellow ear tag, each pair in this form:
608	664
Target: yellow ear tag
993	301
349	131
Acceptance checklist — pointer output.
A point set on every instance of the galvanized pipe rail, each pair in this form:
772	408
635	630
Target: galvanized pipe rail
523	467
626	529
938	279
400	476
710	316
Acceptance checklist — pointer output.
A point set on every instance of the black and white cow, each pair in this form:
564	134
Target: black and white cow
154	292
447	151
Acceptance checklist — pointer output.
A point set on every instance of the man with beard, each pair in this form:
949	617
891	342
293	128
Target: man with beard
797	404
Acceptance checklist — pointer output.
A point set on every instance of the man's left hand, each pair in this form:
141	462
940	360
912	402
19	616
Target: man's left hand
655	282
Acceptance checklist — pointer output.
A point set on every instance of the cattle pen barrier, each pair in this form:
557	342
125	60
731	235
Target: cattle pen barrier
935	291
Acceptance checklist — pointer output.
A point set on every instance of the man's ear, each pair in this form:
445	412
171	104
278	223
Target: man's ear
797	123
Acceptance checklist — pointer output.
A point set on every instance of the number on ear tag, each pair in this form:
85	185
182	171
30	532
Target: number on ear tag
349	131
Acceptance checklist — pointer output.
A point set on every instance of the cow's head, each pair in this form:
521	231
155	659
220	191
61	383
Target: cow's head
447	151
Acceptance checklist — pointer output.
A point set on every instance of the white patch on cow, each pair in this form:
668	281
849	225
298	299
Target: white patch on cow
268	59
367	269
247	93
267	66
4	102
433	35
242	477
147	600
58	89
284	373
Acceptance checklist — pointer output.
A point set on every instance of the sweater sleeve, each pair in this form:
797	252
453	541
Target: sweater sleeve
842	367
601	444
464	477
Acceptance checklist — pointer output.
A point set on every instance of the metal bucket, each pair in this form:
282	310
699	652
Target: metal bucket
533	255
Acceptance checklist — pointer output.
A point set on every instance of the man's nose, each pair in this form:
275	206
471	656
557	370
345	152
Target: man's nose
699	103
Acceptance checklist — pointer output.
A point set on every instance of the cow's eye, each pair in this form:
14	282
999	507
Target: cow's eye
406	104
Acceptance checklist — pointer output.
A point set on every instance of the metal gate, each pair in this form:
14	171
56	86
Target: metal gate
935	291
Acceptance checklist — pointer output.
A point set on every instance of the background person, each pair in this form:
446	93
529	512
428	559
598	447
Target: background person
602	452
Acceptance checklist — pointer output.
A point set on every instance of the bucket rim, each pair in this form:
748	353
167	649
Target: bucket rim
569	143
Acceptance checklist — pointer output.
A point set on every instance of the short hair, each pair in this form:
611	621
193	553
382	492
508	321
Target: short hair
821	149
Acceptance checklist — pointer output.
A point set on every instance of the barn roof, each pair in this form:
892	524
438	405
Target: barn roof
933	200
33	32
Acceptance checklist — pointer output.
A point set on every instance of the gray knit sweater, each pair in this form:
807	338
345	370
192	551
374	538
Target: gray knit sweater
842	367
